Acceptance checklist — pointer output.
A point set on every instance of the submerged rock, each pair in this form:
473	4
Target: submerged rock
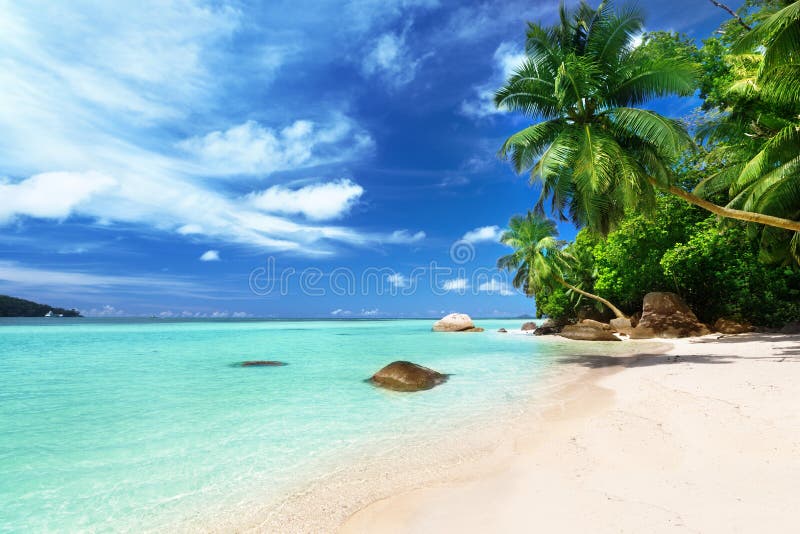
588	330
455	322
262	363
667	315
407	376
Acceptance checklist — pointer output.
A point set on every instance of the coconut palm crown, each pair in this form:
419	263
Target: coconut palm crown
539	259
595	150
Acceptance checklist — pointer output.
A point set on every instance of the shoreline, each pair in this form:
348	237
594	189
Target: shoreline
457	455
703	437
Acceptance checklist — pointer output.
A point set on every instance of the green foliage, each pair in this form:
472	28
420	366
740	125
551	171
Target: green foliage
556	304
719	274
596	152
628	261
14	307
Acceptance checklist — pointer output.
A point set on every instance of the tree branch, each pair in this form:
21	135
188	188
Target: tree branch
732	13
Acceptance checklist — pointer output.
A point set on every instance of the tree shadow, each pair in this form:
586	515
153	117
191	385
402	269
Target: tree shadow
593	361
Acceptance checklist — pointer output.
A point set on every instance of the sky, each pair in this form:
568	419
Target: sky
334	159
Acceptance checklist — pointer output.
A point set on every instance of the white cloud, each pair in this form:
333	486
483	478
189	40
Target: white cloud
495	286
340	311
252	148
391	59
210	255
105	311
456	284
398	280
317	201
508	57
102	147
370	312
404	237
50	195
484	233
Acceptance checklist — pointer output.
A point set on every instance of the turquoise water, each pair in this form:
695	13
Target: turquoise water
128	425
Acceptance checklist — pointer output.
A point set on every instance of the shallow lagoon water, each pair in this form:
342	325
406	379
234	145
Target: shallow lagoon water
131	425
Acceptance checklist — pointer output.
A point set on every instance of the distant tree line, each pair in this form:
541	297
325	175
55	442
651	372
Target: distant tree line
14	307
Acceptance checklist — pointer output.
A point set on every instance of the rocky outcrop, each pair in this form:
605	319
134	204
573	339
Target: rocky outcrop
262	363
455	322
588	330
503	331
621	325
473	329
407	376
547	328
666	315
530	325
729	326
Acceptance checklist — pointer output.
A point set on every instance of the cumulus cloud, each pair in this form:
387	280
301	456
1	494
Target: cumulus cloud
317	201
370	312
210	255
508	57
484	233
456	284
50	195
497	287
340	311
252	148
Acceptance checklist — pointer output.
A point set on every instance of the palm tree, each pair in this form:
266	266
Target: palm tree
758	136
539	258
594	150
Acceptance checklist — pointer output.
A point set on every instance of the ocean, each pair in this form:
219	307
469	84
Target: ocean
136	425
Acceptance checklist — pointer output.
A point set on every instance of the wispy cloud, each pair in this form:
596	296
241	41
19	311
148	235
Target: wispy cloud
392	60
508	57
113	144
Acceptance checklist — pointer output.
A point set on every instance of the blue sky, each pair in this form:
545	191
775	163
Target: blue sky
172	158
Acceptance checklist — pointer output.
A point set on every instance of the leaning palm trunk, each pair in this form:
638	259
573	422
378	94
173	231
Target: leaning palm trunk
610	306
731	213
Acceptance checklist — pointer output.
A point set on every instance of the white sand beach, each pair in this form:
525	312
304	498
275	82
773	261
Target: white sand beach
702	438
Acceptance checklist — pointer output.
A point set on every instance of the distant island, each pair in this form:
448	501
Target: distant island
14	307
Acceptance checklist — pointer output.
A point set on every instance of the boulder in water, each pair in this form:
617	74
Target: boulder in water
407	376
455	322
503	331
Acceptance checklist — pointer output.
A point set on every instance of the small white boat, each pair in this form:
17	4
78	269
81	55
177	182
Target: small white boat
49	314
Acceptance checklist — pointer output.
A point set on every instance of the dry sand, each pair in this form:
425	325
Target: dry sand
703	438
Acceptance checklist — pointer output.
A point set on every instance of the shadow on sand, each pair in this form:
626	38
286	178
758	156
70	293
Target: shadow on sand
782	354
